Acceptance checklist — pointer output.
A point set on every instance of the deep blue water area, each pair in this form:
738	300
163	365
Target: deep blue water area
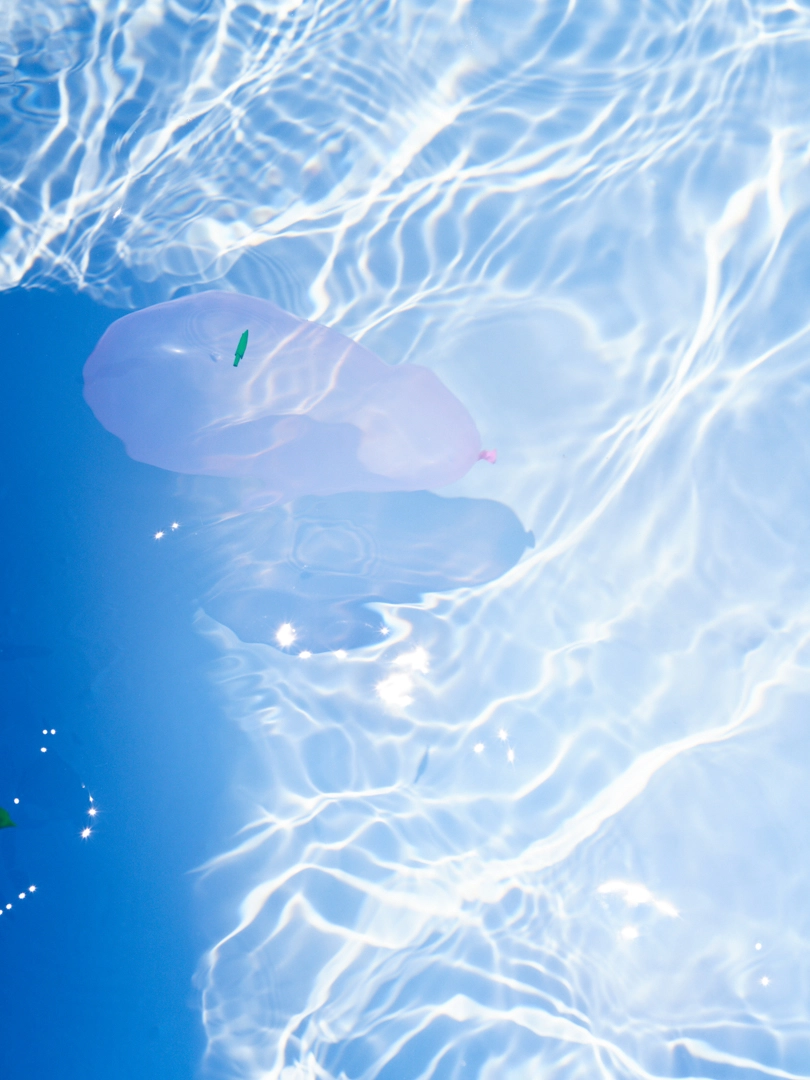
96	642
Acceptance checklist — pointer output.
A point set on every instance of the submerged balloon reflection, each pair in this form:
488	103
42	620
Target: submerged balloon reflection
302	578
308	411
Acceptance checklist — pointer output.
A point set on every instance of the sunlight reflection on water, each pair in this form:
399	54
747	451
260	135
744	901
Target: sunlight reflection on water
551	843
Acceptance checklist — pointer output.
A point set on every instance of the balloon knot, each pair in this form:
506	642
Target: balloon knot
488	455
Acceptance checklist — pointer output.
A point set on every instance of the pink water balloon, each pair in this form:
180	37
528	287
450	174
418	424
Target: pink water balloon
306	411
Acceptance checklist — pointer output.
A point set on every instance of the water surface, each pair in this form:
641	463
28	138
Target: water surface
552	824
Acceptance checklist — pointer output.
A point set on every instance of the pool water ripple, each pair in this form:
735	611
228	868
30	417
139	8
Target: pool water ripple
551	824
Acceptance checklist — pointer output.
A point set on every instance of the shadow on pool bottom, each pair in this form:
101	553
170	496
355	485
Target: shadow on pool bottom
303	578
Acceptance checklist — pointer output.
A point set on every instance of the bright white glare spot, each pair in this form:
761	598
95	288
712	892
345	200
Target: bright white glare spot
16	801
92	811
32	888
117	212
396	689
285	635
175	525
630	933
503	734
44	749
765	980
384	631
666	908
44	731
90	797
479	748
340	654
85	833
634	895
415	660
8	907
758	945
637	894
510	756
21	896
159	534
53	731
305	654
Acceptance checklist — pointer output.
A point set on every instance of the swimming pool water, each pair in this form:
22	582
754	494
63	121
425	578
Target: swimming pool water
547	825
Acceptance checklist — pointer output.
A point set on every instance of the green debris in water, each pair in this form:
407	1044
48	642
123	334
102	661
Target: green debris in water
240	349
5	819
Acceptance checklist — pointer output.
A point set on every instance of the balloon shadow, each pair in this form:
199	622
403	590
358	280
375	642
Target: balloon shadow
303	577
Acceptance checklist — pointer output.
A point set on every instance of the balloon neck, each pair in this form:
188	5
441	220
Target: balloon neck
488	455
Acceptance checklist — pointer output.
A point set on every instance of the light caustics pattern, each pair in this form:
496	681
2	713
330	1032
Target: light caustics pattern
551	825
